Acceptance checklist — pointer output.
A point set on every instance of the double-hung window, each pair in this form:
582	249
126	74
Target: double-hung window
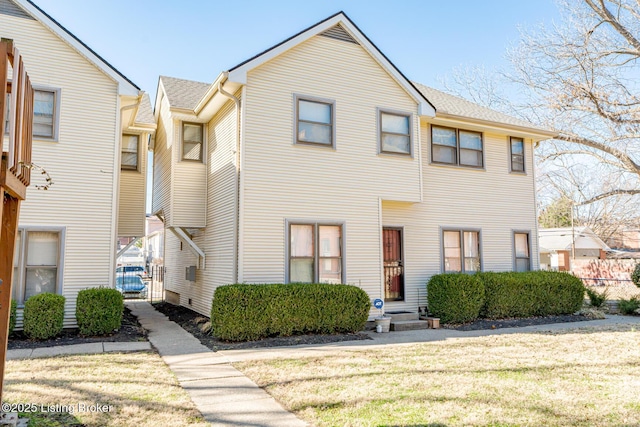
461	251
192	141
522	257
456	147
315	253
36	263
395	132
315	119
516	148
45	113
129	153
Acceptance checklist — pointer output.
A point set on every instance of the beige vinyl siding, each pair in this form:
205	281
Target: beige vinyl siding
81	162
283	181
162	163
189	186
493	200
132	195
218	238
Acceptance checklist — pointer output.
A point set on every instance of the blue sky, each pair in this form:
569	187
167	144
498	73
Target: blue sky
197	39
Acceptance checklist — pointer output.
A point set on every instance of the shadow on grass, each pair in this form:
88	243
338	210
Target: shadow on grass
51	419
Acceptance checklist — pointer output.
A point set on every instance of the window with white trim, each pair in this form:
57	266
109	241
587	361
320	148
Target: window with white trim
129	152
36	263
522	255
315	253
461	251
192	141
456	147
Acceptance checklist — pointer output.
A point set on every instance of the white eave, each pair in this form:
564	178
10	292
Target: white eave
238	74
125	86
515	130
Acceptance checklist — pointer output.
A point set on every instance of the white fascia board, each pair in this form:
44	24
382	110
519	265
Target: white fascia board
125	87
239	74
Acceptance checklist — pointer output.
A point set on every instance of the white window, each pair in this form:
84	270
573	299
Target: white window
315	121
395	133
461	251
192	141
310	262
36	263
45	113
522	258
129	153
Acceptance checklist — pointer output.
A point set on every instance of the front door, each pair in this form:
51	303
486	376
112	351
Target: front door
393	265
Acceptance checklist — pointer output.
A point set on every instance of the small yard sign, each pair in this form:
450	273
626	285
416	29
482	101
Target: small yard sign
378	303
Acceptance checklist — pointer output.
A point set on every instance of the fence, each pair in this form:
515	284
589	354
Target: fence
610	275
137	282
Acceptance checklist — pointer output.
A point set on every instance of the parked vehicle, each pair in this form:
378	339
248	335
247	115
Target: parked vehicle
131	286
132	256
133	270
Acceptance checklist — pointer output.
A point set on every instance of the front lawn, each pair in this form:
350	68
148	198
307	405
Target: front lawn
587	377
109	389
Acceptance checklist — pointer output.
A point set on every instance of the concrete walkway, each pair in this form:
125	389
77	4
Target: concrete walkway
223	395
89	348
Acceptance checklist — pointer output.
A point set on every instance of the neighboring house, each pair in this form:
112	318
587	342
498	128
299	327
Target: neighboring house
318	161
91	129
627	239
153	242
559	245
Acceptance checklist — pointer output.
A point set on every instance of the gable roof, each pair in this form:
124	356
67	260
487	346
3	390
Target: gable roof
145	112
183	93
448	105
561	239
125	86
238	73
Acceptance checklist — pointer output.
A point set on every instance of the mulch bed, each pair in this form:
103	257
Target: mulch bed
516	323
191	322
130	331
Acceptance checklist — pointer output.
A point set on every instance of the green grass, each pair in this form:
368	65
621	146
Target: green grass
139	387
585	378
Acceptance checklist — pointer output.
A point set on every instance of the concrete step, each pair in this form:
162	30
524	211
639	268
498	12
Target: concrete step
409	325
402	316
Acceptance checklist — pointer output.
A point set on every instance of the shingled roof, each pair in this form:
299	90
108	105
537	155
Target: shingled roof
183	93
145	112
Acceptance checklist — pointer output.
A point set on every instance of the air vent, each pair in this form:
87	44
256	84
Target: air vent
339	33
7	7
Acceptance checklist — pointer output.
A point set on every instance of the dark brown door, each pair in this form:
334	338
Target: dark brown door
393	266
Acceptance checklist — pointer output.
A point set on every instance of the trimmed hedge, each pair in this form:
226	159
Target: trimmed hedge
455	298
43	316
635	275
12	316
99	311
251	312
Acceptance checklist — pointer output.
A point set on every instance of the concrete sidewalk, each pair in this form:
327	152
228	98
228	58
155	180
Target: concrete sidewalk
223	395
89	348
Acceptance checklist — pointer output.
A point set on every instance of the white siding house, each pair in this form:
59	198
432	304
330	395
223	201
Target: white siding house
321	162
91	131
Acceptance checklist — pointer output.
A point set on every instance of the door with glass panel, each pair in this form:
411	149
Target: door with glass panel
393	264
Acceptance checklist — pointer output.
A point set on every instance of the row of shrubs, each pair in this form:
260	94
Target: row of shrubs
98	312
251	312
460	298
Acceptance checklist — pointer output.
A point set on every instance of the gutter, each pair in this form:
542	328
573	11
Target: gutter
237	102
545	134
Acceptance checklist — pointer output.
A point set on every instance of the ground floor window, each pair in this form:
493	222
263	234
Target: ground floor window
36	263
522	258
315	253
461	251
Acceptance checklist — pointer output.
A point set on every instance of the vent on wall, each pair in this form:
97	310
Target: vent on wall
7	7
338	33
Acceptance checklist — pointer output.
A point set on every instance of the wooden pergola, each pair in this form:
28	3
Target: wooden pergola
15	171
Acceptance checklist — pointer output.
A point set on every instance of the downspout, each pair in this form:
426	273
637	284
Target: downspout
237	183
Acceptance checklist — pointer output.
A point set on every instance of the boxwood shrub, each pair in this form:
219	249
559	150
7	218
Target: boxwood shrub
532	293
12	316
249	312
99	311
43	316
455	297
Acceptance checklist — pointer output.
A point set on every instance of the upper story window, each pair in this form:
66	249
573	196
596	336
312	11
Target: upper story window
395	132
315	121
461	251
192	141
517	154
129	153
45	113
456	147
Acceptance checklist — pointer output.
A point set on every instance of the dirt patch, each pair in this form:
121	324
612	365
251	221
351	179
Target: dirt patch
194	323
516	323
129	331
